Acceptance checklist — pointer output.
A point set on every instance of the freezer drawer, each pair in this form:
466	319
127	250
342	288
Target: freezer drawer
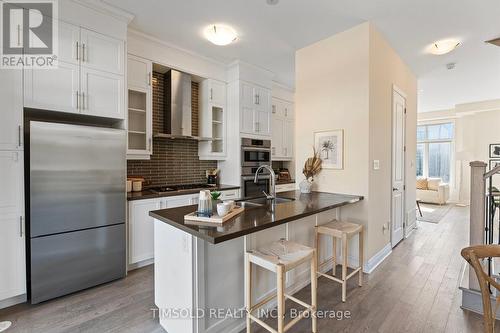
65	263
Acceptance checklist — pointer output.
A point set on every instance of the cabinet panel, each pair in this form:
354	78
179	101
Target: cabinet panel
139	72
289	138
69	43
180	201
52	89
141	229
247	95
12	249
263	99
278	126
102	94
217	93
248	120
230	194
11	95
101	52
263	123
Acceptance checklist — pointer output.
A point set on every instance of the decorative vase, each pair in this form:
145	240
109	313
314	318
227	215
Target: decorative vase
305	186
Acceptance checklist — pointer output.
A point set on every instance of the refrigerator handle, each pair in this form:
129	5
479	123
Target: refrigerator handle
21	226
20	135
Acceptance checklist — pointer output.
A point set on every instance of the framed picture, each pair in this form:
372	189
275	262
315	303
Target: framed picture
495	150
330	146
494	163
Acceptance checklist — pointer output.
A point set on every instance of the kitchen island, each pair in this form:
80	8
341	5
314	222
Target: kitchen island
199	270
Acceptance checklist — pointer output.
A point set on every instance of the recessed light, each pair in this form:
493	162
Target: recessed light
443	46
220	34
272	2
450	65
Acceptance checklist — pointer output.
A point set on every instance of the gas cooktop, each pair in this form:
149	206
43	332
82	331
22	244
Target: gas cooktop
173	188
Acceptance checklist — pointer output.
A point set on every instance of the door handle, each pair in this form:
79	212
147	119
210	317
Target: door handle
20	226
20	135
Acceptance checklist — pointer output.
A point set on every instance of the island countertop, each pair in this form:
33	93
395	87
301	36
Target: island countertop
256	218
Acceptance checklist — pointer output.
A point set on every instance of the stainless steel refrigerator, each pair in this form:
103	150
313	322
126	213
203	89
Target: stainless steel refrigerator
77	195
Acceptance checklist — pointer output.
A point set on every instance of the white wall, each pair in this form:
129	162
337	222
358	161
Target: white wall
345	82
476	127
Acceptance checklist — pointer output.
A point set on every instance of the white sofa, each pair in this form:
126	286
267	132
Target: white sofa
436	192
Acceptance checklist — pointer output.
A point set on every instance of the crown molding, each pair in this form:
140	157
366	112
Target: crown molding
153	39
105	8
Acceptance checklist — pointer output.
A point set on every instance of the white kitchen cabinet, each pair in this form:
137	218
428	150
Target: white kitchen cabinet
89	78
282	130
255	110
212	120
55	89
12	238
11	95
139	71
102	94
139	108
230	194
101	52
141	230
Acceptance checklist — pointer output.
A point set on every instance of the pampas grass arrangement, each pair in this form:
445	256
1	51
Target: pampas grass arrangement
312	166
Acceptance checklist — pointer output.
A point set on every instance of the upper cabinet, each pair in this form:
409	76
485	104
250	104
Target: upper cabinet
255	109
89	78
282	130
11	95
212	120
140	108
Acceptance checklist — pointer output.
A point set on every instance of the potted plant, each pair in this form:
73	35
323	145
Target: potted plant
312	167
215	200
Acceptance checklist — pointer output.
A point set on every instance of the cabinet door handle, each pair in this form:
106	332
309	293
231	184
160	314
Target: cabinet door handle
286	112
258	99
20	135
274	109
211	94
18	35
149	79
77	51
83	100
20	226
83	52
77	99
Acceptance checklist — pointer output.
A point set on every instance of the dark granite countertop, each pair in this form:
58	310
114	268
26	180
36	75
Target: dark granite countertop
257	218
148	194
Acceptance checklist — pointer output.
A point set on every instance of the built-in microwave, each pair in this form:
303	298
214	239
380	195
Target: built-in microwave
255	152
252	189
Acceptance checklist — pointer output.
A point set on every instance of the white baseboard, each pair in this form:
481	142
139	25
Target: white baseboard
140	264
377	259
13	301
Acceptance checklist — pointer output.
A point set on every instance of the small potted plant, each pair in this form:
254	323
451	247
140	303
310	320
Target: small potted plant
312	167
215	200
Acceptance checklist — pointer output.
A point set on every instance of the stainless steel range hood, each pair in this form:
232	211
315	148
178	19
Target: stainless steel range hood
177	111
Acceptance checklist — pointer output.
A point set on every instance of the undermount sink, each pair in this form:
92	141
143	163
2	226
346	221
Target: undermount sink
261	201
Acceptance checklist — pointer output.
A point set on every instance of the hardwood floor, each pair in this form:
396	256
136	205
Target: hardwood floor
413	290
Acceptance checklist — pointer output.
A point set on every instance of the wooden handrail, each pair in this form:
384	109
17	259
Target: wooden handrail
493	171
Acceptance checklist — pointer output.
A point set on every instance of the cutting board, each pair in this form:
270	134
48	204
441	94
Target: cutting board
214	219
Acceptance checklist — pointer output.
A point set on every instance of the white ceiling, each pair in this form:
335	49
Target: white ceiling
269	36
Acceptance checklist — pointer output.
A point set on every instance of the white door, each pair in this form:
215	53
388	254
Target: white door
217	92
12	253
141	230
53	89
101	52
11	95
139	72
102	94
398	167
69	43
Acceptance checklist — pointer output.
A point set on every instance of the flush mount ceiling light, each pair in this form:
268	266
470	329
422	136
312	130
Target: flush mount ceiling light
272	2
220	34
443	46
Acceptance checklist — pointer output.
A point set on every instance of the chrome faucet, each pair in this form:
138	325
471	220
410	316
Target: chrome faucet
272	194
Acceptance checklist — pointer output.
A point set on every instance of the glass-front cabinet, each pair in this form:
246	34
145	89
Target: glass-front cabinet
139	109
212	120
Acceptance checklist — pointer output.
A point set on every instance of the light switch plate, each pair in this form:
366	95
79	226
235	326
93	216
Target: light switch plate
376	164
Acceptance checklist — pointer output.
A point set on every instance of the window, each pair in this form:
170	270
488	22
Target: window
434	150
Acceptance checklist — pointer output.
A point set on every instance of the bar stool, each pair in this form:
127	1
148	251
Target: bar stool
343	231
281	257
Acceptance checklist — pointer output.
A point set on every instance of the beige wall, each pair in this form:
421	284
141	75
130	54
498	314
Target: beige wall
345	82
387	69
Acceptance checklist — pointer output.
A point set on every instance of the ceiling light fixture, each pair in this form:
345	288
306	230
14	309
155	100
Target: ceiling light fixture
220	34
272	2
443	46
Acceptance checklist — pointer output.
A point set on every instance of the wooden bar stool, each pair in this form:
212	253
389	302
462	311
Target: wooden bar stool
281	257
343	231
